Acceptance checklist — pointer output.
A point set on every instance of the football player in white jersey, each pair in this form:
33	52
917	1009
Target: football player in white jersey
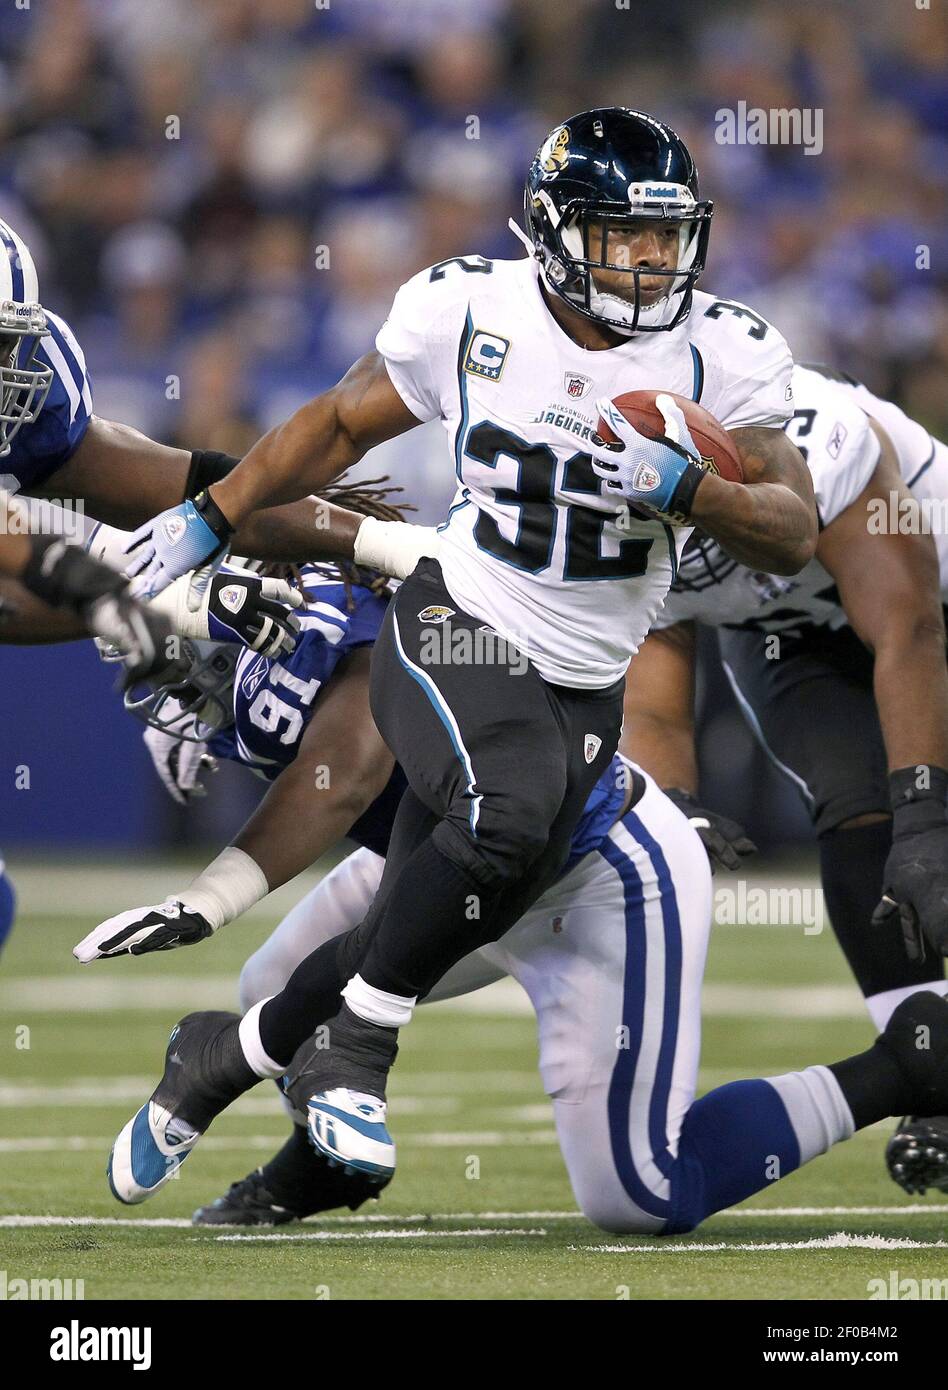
517	359
841	673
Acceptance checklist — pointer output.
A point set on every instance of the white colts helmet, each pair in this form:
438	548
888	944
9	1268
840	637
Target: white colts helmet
24	380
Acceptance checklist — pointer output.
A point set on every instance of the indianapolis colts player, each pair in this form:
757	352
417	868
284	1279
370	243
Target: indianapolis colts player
841	674
72	588
611	956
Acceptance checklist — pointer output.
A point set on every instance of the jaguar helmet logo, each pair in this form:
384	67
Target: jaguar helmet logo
555	149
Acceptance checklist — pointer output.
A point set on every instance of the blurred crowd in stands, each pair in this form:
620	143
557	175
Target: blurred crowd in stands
223	195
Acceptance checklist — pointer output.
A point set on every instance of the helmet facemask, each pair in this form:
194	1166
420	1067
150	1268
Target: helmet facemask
24	380
195	700
589	238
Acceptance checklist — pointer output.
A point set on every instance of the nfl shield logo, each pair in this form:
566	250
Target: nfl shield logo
646	478
576	384
591	747
174	528
233	597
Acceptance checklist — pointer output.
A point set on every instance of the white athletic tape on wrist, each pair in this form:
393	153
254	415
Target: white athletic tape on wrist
393	547
377	1005
226	888
248	1032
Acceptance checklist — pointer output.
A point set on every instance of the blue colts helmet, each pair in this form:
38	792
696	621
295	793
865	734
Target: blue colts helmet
597	179
24	379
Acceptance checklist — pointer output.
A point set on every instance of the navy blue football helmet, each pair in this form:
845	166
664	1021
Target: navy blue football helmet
597	178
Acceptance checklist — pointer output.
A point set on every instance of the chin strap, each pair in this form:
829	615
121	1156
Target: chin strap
521	235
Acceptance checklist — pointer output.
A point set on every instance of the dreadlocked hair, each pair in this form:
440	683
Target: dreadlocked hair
368	498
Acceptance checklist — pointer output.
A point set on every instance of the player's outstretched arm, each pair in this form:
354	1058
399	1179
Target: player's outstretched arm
889	585
769	523
123	478
324	438
342	766
658	733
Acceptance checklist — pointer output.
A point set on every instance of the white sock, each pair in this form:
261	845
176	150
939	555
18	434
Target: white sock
254	1055
882	1006
816	1107
377	1005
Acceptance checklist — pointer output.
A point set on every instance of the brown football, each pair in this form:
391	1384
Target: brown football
715	445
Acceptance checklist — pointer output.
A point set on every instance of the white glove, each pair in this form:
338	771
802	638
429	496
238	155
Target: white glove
394	547
179	762
143	929
661	474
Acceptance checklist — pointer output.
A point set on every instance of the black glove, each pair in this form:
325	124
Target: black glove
142	930
242	607
916	871
64	576
727	842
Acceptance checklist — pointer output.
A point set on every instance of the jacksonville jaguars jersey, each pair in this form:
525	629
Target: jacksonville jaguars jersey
830	426
274	698
39	448
531	545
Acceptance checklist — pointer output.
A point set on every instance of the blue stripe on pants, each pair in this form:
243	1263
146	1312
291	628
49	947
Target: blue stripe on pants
633	1010
671	921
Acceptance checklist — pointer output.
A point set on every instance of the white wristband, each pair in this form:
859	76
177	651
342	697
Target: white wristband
226	888
393	547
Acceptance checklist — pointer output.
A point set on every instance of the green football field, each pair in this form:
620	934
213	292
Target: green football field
481	1207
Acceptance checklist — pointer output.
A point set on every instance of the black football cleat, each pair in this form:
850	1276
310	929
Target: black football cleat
917	1154
251	1203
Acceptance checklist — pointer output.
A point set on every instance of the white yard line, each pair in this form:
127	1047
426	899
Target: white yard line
840	1240
420	1233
